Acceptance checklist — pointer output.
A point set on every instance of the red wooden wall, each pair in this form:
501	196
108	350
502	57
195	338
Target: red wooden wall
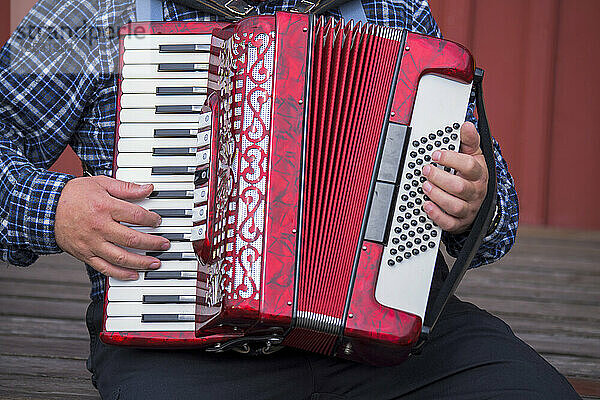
542	94
541	59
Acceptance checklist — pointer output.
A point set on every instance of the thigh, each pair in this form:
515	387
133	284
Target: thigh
470	355
127	373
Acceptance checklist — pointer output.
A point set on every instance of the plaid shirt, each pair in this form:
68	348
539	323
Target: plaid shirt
58	88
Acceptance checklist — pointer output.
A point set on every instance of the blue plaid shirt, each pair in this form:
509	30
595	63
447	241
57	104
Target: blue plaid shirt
58	88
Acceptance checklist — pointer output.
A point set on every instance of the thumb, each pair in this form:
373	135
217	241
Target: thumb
469	139
125	190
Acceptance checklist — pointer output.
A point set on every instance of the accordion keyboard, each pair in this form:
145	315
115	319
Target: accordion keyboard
160	141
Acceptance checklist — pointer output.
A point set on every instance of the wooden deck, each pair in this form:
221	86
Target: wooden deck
547	289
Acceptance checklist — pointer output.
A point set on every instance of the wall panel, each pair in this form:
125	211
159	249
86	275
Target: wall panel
575	148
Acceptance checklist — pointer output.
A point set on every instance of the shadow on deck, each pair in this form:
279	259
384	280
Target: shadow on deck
547	289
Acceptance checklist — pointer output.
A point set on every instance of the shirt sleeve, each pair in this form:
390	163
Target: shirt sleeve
501	238
48	76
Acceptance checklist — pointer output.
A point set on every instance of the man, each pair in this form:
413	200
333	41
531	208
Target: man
58	87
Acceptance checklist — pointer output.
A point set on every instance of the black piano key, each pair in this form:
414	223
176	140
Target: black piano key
171	194
175	237
159	133
182	67
183	170
183	48
164	256
183	90
183	109
172	212
201	177
167	298
168	275
166	317
173	151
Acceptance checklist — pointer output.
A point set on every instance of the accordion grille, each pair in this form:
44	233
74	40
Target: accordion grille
351	73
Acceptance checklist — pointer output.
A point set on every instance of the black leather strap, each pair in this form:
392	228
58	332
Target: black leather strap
235	10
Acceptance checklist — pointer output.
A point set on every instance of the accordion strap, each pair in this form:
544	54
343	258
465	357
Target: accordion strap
235	10
482	220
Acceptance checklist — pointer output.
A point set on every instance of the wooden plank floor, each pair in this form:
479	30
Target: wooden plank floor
547	289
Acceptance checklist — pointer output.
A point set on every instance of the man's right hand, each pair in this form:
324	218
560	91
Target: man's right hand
87	225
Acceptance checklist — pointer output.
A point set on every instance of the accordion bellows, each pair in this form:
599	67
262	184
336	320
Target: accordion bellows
314	235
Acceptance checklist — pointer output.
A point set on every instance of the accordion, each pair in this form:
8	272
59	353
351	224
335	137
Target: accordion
286	155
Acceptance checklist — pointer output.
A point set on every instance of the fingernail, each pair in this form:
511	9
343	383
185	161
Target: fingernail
155	265
436	155
426	170
427	187
165	245
146	187
133	277
428	207
158	223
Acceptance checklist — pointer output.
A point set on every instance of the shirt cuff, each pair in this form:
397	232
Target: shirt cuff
38	193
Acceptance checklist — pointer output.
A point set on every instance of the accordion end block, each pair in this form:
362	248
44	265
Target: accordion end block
374	333
427	55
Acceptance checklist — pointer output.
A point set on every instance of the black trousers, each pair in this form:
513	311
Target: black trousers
471	355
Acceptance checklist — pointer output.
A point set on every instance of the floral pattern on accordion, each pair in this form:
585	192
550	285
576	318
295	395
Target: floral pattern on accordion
246	78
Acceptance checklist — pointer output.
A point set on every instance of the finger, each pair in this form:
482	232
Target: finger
446	222
449	204
131	238
125	190
123	211
465	164
469	139
453	184
104	267
120	257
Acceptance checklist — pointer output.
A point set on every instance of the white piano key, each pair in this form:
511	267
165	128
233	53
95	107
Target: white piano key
149	160
133	309
169	222
164	229
148	130
160	186
146	145
141	85
199	213
187	265
150	204
149	115
133	42
198	232
126	293
151	100
142	282
176	247
154	57
144	175
151	71
123	324
201	195
188	279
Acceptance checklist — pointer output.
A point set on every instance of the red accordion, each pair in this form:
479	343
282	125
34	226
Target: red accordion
294	205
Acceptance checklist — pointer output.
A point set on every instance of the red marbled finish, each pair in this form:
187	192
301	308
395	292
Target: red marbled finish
237	309
284	176
379	335
427	55
163	339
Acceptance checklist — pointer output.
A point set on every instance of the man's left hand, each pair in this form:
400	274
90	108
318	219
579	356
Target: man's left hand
456	198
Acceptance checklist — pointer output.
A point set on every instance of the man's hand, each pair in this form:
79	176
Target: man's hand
87	225
456	198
